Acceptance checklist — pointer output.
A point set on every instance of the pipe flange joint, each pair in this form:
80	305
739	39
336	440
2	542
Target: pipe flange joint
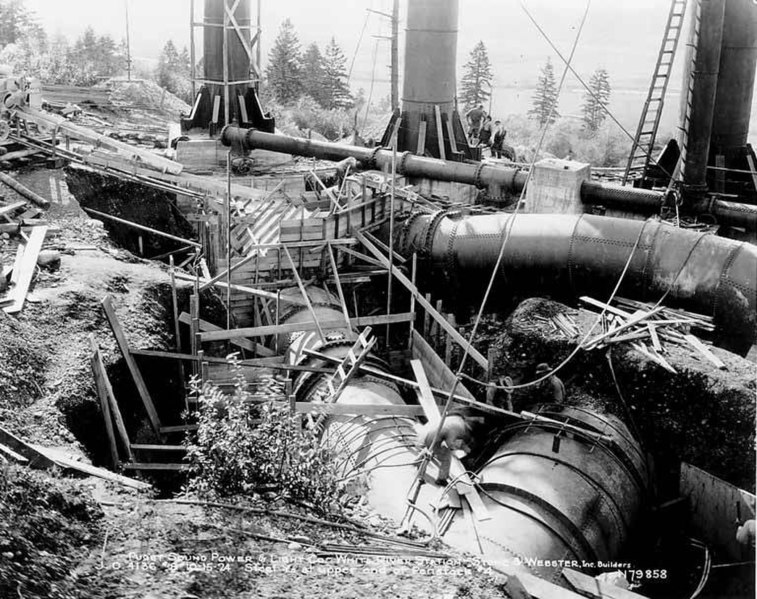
373	156
477	176
431	231
402	161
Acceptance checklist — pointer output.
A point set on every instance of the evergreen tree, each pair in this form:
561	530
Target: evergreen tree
94	57
16	22
337	92
475	86
593	112
314	75
545	97
283	70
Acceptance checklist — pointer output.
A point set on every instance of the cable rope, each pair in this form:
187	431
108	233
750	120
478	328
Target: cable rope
466	350
588	89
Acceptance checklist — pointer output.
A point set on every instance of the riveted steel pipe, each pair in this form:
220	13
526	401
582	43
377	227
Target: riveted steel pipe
572	255
480	175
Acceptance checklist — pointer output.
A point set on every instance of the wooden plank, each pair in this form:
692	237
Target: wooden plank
425	395
304	293
205	283
439	131
155	466
136	374
208	327
101	376
139	227
421	148
457	337
179	428
362	321
705	351
716	508
439	374
307	407
36	458
153	447
26	269
340	291
68	462
584	583
11	208
104	408
7	453
602	306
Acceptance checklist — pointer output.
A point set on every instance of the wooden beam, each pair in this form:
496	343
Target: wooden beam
339	289
457	337
104	406
277	364
26	268
68	462
104	387
238	341
307	407
36	458
128	223
363	321
425	395
155	466
136	374
304	293
205	283
439	131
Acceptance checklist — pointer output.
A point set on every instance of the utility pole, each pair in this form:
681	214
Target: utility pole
395	55
128	42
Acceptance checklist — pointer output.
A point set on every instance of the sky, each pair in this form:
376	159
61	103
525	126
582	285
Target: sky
622	36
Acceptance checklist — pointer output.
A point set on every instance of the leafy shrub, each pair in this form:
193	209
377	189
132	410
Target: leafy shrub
241	447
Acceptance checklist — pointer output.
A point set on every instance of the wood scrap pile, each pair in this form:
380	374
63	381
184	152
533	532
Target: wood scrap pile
562	323
648	328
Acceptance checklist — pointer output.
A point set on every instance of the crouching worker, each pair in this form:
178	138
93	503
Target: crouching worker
455	434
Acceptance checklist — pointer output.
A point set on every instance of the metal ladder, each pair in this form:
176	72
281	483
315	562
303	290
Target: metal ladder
347	369
649	122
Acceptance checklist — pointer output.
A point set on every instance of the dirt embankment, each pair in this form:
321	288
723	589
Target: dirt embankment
700	415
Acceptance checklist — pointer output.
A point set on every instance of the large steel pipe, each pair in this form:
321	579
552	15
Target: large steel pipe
480	175
575	498
701	79
497	178
648	202
573	255
735	85
560	500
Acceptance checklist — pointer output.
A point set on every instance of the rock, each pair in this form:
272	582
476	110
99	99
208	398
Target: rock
49	259
294	545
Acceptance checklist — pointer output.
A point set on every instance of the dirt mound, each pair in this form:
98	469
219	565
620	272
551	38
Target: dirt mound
700	415
47	526
146	95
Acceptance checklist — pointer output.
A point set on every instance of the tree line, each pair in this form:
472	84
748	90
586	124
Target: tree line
476	89
320	74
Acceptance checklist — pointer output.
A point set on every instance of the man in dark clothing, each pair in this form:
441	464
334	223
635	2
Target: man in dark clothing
485	133
552	388
474	117
498	140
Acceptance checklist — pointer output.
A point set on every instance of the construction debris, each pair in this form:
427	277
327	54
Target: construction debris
647	327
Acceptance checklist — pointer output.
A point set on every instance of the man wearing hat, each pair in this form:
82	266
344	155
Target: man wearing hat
552	388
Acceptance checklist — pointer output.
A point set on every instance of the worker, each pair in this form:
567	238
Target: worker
493	395
498	139
552	388
474	117
455	433
485	133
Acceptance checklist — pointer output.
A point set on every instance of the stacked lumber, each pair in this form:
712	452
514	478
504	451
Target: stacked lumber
648	328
